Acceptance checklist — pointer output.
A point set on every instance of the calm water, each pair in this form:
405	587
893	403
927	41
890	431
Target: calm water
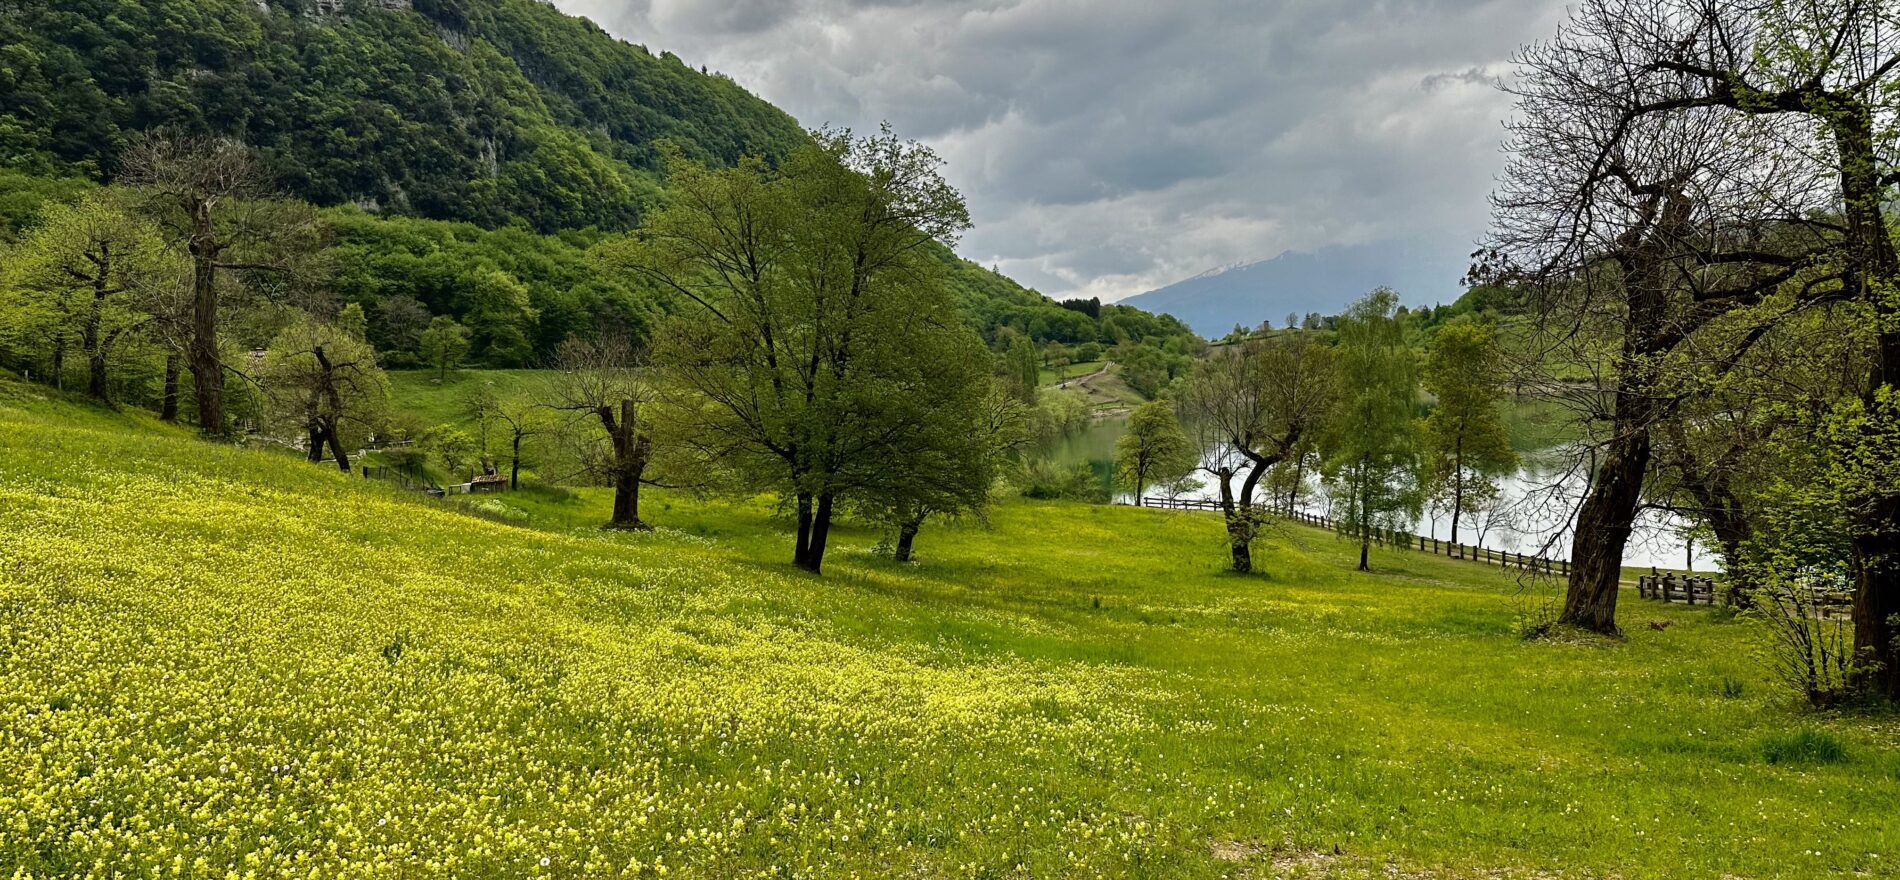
1537	505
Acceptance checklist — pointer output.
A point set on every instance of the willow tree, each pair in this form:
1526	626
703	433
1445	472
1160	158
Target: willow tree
812	320
1466	447
1246	411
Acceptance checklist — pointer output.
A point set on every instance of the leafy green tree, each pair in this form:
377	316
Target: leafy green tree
1025	368
813	322
323	380
444	345
1466	447
948	464
85	276
453	447
1371	462
1154	449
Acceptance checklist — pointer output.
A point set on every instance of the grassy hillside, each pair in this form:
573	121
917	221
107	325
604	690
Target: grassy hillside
214	659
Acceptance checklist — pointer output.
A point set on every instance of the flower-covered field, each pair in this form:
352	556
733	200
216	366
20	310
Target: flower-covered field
226	663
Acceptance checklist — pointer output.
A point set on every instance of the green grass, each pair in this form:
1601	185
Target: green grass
417	394
214	659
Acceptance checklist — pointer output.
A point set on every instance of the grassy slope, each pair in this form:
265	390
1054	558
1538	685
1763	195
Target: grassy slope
417	393
217	654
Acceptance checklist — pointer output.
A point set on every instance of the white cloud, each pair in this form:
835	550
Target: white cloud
1113	146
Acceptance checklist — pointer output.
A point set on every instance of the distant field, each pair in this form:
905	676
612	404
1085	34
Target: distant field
221	662
417	393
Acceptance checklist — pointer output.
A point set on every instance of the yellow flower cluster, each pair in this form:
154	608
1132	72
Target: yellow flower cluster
217	664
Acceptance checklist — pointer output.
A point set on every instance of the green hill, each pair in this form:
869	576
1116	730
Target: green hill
221	661
488	111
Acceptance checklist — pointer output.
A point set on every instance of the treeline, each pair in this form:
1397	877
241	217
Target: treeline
821	349
487	111
1262	418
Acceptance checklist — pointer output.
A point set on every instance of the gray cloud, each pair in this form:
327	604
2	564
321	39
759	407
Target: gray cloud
1111	146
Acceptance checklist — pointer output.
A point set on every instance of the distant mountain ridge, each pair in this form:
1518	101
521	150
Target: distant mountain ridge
1295	282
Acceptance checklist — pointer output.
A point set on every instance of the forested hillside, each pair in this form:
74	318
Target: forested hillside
468	153
489	111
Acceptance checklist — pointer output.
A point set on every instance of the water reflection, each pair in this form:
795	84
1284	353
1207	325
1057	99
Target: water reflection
1535	510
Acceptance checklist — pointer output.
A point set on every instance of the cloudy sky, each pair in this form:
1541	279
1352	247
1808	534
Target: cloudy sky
1108	147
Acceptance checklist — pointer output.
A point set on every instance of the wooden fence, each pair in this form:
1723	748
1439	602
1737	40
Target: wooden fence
1394	538
1673	587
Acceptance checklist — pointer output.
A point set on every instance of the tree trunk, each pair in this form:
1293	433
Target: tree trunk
1239	524
1876	513
514	465
1457	503
59	359
1603	530
168	404
313	447
802	548
1365	551
207	372
630	464
92	341
336	445
906	533
820	531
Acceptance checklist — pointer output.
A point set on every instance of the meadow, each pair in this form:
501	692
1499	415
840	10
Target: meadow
218	661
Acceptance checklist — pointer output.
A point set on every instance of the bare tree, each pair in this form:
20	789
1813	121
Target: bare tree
211	194
601	388
1633	229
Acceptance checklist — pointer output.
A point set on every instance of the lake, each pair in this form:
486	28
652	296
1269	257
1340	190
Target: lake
1537	506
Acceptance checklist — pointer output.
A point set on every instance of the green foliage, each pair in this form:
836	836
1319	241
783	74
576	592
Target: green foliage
323	384
444	344
477	110
1154	450
1466	447
1371	452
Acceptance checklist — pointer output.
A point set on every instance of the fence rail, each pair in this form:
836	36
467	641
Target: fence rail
1394	538
1673	587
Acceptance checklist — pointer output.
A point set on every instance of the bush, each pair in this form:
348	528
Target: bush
1046	480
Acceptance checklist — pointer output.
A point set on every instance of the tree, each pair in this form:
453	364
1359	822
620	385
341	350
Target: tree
612	432
1247	411
209	194
812	313
1635	214
88	272
523	419
1154	449
1821	75
947	466
1466	447
444	344
1371	461
1024	368
324	381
